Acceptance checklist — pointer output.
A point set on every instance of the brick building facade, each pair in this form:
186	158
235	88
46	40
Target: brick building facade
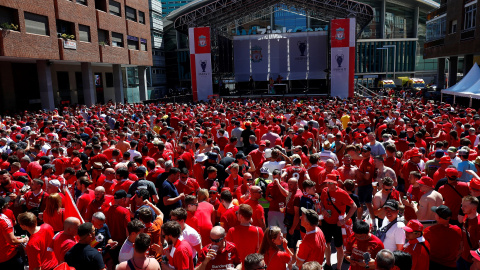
55	52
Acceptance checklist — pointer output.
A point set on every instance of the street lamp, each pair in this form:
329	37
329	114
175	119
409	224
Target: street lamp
386	70
394	57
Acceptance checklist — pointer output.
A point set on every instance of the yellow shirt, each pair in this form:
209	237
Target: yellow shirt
345	120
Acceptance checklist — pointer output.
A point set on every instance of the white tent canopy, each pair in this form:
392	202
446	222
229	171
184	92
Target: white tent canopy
469	86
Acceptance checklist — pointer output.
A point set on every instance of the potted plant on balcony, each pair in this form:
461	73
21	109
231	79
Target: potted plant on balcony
66	36
8	26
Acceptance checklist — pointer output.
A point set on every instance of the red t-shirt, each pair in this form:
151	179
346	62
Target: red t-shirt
276	260
233	184
182	257
98	206
117	218
357	248
292	203
228	257
472	227
229	218
56	221
188	188
13	187
7	250
38	249
204	217
366	166
298	173
413	195
32	201
61	244
35	169
409	167
339	198
312	247
444	243
258	212
420	256
123	185
84	200
277	196
451	198
247	239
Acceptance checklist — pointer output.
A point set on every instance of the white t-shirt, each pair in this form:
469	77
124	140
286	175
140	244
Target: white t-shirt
190	235
126	252
272	165
395	235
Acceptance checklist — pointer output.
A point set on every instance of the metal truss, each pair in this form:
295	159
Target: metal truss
225	15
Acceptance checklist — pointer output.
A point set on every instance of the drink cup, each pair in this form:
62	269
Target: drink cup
214	247
282	207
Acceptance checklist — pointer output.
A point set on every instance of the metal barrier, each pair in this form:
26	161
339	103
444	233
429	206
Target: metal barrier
362	91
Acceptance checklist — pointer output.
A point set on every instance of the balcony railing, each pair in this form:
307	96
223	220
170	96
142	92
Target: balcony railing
437	12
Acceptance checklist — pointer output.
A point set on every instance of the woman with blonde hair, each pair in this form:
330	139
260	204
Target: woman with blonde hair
54	213
274	257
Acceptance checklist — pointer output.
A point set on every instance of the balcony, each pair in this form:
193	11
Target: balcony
114	55
434	43
140	58
78	51
21	44
437	12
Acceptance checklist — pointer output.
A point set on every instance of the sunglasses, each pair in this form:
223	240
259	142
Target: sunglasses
216	240
249	179
387	189
262	267
195	204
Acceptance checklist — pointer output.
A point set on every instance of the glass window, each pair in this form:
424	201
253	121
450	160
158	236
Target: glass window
436	28
36	24
141	17
131	14
115	8
470	16
103	37
109	79
83	2
399	22
132	43
84	33
143	45
117	39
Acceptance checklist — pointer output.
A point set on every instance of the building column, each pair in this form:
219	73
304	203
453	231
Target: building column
45	83
88	84
73	85
452	70
467	63
7	86
416	17
383	11
118	83
142	83
441	73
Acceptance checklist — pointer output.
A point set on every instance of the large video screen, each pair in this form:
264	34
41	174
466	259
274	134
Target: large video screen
294	56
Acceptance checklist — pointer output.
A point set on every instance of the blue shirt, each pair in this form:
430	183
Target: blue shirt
463	167
169	190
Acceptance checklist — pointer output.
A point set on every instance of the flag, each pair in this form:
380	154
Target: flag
71	209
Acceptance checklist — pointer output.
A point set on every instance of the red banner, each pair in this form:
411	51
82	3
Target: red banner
71	209
340	33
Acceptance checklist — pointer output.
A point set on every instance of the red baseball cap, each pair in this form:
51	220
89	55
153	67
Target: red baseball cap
445	160
426	181
474	184
415	153
413	225
475	254
451	172
331	178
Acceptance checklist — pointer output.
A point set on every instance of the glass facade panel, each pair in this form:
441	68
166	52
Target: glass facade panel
436	28
374	29
399	21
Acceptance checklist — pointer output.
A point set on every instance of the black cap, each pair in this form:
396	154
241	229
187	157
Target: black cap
121	194
141	170
3	201
311	215
212	156
240	156
442	211
367	147
392	204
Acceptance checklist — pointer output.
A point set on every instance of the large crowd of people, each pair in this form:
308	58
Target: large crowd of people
382	183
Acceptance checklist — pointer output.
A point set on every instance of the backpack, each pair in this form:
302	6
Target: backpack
263	185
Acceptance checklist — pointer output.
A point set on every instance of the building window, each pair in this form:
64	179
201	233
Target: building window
131	14
83	2
101	5
103	37
470	16
117	39
132	43
141	17
453	26
9	16
115	8
436	28
143	44
36	24
109	79
84	33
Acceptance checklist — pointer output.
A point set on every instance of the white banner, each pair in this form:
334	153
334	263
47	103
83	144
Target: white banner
293	56
340	72
203	68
